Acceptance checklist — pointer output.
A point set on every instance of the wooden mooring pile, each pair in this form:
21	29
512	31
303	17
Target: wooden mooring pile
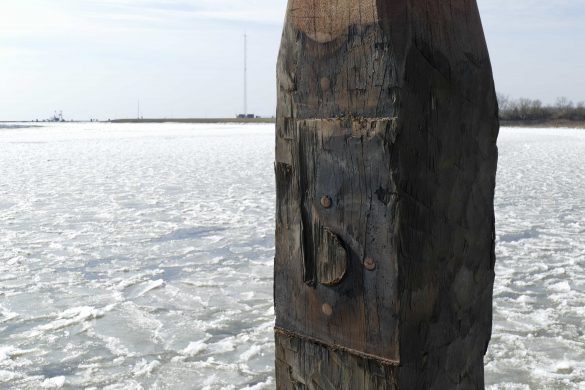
386	158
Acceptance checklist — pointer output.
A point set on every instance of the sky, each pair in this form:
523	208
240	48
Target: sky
184	58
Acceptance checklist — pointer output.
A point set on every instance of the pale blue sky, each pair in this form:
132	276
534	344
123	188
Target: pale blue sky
183	58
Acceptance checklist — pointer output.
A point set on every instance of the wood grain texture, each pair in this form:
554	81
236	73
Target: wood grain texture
331	259
302	364
338	158
393	116
324	21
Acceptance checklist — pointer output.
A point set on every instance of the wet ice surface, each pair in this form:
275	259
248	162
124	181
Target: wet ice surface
136	256
140	256
539	319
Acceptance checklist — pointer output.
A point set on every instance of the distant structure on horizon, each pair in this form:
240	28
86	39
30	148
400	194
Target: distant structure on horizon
245	115
139	116
57	117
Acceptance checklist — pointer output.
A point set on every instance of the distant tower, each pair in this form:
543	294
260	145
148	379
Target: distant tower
245	75
138	109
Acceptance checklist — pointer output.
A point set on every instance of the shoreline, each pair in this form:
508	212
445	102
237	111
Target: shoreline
194	120
503	123
555	124
162	120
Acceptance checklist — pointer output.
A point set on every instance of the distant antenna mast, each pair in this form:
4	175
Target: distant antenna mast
245	75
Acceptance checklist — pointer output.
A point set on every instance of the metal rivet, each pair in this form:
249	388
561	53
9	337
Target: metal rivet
326	202
370	264
325	84
327	309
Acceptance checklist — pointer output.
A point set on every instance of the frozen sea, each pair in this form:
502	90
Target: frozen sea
140	256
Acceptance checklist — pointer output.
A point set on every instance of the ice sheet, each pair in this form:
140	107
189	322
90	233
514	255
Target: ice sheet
140	256
136	256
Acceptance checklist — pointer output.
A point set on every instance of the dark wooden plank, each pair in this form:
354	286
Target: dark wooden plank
340	159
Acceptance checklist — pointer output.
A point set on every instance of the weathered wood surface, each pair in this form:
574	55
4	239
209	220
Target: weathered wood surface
385	164
302	364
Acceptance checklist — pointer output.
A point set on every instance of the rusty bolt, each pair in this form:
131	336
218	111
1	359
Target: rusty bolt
326	202
327	309
370	264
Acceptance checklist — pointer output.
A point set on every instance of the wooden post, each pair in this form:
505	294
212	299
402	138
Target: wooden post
385	163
